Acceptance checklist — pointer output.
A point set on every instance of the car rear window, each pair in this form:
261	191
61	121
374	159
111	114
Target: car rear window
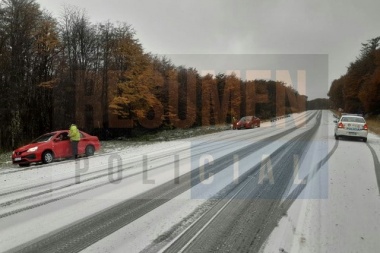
353	119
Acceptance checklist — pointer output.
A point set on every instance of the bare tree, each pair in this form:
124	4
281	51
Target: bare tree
21	26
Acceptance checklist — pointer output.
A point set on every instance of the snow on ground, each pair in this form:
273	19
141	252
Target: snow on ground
132	160
346	215
338	211
145	230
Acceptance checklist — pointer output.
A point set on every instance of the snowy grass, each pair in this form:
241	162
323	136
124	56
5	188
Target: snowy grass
374	124
5	157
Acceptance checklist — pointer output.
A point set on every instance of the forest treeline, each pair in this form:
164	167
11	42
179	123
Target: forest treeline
358	90
54	72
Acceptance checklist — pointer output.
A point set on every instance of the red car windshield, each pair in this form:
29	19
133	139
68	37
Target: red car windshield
43	138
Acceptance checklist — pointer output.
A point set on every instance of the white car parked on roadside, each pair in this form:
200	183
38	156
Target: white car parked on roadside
350	125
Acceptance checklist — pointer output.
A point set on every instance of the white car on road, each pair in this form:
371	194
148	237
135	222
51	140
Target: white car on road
350	125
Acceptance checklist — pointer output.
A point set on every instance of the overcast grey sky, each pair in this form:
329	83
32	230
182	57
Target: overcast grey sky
235	28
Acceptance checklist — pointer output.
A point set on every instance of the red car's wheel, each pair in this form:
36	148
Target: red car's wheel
90	150
47	157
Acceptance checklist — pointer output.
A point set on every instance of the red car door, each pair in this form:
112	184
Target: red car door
61	147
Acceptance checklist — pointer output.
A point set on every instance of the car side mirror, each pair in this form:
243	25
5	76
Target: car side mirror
57	139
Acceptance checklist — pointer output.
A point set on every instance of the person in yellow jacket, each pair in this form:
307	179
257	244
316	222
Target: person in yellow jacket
74	135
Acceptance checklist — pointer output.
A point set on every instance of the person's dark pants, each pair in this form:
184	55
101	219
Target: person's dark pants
74	148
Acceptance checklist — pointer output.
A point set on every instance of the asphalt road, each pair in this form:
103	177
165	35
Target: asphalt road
238	212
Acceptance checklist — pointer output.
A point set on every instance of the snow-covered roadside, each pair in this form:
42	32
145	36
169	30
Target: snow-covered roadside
346	217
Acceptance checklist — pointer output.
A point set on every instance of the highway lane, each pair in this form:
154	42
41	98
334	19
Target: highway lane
90	227
246	215
345	217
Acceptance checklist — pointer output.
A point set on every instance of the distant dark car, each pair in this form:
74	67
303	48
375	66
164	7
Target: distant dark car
54	145
248	122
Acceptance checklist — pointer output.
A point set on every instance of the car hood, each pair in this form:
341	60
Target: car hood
28	146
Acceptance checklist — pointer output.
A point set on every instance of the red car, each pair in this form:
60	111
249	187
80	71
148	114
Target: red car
248	122
54	145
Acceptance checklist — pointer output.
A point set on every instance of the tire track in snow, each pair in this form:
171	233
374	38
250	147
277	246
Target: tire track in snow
81	234
212	146
376	164
79	178
196	239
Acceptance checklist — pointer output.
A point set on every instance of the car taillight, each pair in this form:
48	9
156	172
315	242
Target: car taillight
340	125
365	127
